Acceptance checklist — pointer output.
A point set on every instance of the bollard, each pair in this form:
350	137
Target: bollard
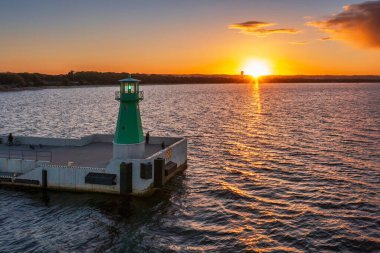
45	196
125	178
44	180
159	166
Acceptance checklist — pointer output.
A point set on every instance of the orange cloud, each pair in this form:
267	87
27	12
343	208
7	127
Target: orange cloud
357	23
326	38
259	29
298	42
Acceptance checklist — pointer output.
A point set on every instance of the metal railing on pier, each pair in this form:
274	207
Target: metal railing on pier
27	155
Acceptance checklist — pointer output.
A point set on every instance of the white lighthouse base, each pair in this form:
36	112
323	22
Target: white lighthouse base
128	151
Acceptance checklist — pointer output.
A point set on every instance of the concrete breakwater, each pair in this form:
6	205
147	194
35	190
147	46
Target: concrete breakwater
87	164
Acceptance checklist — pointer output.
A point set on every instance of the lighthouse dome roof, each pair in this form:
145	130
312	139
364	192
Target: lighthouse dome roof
129	79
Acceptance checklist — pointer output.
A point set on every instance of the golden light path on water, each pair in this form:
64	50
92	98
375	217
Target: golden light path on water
256	94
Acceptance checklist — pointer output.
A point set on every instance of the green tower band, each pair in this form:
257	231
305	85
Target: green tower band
129	128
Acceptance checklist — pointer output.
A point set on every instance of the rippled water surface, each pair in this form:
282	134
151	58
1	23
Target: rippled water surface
272	168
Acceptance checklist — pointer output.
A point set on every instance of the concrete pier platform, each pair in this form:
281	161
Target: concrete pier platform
88	164
95	155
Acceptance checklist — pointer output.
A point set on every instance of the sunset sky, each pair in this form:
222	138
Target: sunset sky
186	37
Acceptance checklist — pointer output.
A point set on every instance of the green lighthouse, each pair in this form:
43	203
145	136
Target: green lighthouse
129	136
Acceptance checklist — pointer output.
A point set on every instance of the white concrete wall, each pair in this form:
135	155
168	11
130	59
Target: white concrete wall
107	138
70	178
19	165
128	151
42	163
14	165
27	165
3	164
66	177
139	184
178	150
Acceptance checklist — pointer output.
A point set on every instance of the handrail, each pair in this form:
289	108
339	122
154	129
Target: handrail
27	155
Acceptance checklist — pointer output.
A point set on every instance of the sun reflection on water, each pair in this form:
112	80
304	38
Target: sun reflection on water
256	95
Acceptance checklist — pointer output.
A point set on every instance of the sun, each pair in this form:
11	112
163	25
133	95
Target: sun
257	68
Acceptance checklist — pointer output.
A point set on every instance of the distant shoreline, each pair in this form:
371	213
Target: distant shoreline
37	81
54	87
15	89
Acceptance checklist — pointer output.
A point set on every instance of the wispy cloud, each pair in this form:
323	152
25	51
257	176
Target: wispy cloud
357	23
259	29
326	38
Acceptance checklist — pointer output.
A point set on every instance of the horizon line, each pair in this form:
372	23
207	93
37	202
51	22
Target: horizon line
197	74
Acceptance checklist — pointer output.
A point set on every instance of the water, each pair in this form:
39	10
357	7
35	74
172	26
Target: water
272	168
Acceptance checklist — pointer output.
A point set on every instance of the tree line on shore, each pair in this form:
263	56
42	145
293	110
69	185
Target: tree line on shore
24	80
9	81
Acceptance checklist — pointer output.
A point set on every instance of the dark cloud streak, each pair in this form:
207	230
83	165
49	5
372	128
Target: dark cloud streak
357	23
259	29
